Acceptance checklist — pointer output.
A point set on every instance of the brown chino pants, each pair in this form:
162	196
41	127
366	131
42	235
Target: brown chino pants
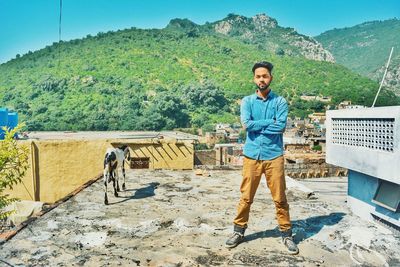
275	175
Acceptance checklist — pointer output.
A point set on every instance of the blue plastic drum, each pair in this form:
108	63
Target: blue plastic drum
3	121
12	120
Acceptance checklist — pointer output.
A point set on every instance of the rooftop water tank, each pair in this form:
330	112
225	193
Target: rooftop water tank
3	121
12	120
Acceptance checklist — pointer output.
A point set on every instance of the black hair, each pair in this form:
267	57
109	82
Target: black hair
263	64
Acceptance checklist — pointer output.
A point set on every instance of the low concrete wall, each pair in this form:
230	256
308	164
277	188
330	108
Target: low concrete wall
58	167
205	157
313	170
65	165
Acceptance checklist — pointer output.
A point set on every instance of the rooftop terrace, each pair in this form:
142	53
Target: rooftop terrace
175	218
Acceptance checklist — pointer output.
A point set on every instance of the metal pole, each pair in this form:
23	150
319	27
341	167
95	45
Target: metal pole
383	78
59	35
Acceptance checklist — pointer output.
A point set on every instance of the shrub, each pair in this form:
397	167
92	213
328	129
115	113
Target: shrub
13	165
317	148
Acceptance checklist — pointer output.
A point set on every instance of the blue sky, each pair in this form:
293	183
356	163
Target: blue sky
32	24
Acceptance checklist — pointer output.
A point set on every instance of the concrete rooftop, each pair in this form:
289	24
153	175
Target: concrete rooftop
175	218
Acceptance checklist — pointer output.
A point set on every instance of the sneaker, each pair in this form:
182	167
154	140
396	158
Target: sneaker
290	245
234	240
236	237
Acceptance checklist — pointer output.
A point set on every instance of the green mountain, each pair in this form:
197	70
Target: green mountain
162	79
262	31
365	49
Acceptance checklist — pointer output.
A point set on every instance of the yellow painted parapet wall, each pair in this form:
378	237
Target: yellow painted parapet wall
58	167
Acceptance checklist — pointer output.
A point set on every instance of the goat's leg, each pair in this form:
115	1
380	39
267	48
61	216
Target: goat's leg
105	189
115	180
123	173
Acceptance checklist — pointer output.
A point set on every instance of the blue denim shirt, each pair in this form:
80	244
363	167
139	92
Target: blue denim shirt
265	122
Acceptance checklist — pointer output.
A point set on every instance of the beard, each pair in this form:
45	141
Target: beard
263	87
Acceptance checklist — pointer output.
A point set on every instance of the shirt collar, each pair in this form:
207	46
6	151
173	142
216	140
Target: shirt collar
268	96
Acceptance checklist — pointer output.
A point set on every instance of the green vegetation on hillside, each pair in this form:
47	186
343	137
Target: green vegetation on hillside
365	48
159	79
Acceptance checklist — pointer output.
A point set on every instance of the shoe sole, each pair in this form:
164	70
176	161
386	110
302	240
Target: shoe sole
294	252
231	246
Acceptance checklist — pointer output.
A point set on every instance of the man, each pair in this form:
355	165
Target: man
264	116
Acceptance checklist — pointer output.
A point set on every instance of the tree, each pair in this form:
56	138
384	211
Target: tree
206	96
317	106
280	52
209	127
150	121
199	118
13	165
165	112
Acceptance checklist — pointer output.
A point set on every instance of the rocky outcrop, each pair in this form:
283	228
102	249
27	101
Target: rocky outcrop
223	27
392	79
262	22
311	49
265	32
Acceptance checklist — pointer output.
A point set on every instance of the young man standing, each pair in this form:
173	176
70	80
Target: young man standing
264	116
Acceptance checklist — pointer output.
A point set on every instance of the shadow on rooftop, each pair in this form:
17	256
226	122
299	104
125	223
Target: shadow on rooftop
302	229
144	192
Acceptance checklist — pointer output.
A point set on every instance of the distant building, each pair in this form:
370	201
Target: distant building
300	147
355	107
222	127
289	124
324	99
317	117
347	105
229	154
232	137
344	104
212	138
224	132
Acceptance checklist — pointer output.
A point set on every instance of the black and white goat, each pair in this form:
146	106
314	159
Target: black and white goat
113	161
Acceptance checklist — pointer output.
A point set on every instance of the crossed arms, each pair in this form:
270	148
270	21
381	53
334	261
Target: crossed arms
265	126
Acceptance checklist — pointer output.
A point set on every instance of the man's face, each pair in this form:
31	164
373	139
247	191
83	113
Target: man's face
262	78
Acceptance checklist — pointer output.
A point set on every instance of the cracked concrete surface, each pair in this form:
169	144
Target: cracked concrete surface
175	218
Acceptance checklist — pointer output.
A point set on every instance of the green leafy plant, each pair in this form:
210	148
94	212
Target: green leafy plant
13	165
317	148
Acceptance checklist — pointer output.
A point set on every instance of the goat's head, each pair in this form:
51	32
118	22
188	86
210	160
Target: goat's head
127	153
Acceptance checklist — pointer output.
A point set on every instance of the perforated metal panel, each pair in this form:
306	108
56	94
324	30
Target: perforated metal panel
365	140
372	133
